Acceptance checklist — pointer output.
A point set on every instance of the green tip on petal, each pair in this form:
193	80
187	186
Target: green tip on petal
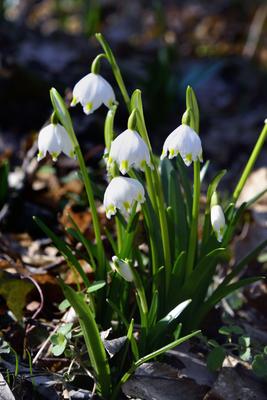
171	153
40	155
110	210
54	156
88	107
143	165
127	206
124	166
188	157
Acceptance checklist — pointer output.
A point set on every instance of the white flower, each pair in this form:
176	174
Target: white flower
123	268
54	139
121	194
92	91
129	150
184	141
217	221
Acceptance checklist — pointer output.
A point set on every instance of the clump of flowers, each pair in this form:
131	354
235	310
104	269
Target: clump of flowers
156	210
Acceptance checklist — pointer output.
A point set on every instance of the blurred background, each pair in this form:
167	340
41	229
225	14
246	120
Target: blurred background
218	47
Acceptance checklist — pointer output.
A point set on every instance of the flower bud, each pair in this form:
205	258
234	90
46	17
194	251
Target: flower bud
123	268
217	221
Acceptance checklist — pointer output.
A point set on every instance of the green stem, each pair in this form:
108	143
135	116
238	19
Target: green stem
119	235
250	163
115	68
163	226
95	67
154	186
91	200
193	239
64	117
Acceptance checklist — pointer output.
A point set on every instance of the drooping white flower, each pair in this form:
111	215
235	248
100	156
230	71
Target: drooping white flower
123	268
129	150
54	139
184	141
217	221
121	194
92	91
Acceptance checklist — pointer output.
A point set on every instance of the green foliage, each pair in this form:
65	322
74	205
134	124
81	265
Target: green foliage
237	344
215	358
60	339
259	365
180	262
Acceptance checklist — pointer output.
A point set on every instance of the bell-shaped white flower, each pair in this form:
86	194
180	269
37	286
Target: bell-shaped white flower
129	150
121	194
217	221
123	268
54	139
184	141
92	91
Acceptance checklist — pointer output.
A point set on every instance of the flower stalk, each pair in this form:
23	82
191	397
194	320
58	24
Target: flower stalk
115	68
64	117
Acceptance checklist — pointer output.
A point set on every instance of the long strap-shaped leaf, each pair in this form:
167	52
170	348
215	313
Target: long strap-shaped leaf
64	249
148	357
221	293
92	339
243	263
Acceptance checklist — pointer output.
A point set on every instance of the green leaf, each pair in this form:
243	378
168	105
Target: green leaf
65	329
244	348
90	248
202	276
61	110
152	315
96	286
15	293
232	329
95	347
148	357
259	365
108	130
204	170
64	305
213	185
215	358
163	325
243	263
162	350
59	344
64	250
221	292
191	103
4	347
186	185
